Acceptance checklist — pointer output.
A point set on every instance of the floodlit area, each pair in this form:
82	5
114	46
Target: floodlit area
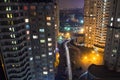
91	58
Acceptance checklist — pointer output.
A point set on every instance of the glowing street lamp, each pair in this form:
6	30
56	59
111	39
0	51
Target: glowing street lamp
67	35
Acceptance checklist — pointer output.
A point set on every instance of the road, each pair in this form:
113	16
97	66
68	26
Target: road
68	60
61	75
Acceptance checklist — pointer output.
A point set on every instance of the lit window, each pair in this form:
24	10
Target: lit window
6	8
55	26
50	53
105	0
55	6
49	44
13	65
102	24
35	37
103	9
117	36
42	41
50	49
32	7
49	39
45	68
29	48
28	38
111	18
114	50
111	24
27	26
5	0
26	20
8	16
12	35
27	32
43	55
50	70
112	55
9	8
89	37
118	19
104	3
14	42
48	23
91	15
41	30
48	18
15	48
31	58
25	8
12	29
11	16
45	72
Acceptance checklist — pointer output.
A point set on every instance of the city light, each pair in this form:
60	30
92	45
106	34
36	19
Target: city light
82	21
67	28
67	35
57	59
91	58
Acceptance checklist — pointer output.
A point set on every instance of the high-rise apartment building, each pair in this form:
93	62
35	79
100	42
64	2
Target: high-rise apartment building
96	19
14	42
28	38
103	8
111	68
112	49
90	13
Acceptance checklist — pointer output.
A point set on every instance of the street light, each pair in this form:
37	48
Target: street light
81	31
67	35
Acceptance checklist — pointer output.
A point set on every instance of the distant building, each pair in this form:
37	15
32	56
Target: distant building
70	19
112	48
96	13
28	30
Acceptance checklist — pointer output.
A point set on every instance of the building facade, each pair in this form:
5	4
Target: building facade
90	13
14	42
28	38
103	9
112	48
96	20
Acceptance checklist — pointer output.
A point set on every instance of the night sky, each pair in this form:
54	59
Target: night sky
71	4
